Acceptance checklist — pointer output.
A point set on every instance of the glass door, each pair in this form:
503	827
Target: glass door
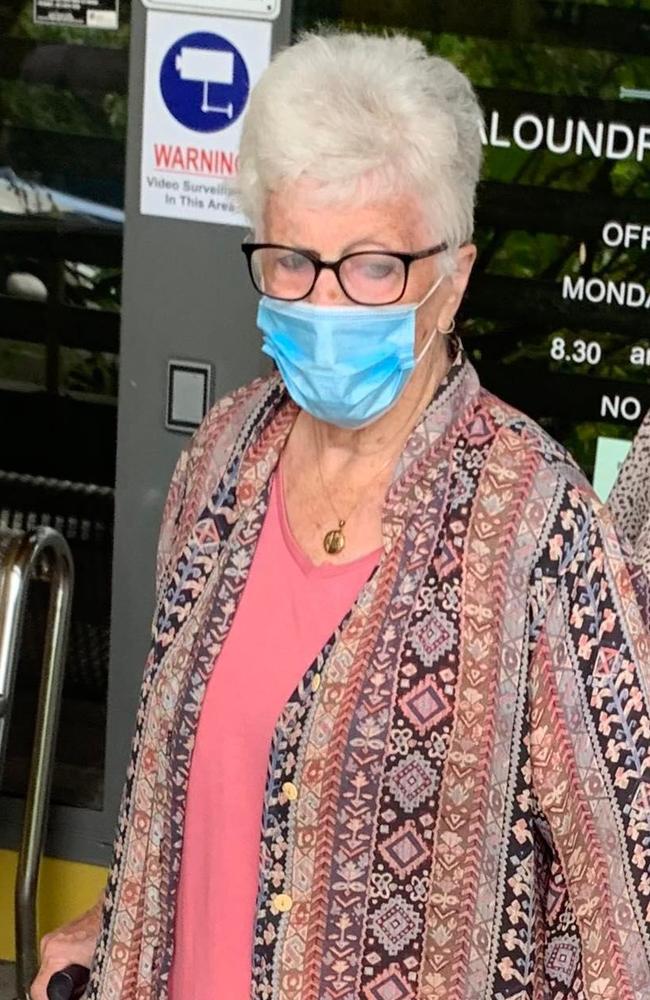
556	316
62	137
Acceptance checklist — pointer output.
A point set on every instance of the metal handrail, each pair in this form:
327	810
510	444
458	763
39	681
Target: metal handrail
40	554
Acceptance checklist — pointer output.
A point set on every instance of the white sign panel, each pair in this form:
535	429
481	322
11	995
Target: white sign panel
235	8
199	72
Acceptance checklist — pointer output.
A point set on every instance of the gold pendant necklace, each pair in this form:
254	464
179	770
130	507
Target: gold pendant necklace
334	540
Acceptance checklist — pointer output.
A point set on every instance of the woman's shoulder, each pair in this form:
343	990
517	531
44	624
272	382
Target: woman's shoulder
558	483
229	424
554	461
566	503
237	408
232	418
570	529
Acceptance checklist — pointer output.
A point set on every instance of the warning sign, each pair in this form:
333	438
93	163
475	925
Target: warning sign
198	74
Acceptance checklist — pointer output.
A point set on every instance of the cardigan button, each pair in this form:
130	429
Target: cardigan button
290	791
282	902
315	682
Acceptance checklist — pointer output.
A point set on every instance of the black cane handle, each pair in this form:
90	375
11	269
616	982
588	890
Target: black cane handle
69	983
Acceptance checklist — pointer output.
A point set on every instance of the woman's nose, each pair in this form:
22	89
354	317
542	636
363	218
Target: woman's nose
327	290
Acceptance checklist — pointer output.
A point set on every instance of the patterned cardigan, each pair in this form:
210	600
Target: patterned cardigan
470	747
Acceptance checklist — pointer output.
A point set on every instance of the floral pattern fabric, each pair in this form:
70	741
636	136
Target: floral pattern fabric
469	749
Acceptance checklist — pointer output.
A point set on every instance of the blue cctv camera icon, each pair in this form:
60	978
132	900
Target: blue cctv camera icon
207	66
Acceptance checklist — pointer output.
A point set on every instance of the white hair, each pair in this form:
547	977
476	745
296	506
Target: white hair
365	116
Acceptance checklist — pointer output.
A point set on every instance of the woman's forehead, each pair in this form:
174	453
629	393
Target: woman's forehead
300	215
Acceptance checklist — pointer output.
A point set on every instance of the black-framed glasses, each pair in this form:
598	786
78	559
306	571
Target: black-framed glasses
368	277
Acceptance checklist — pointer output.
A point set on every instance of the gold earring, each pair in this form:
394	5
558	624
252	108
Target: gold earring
450	329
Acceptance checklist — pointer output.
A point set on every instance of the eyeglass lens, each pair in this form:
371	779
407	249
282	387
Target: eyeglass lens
368	278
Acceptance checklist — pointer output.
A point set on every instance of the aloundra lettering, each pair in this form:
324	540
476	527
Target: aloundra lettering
603	140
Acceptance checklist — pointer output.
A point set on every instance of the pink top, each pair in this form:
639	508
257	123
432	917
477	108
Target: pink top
288	611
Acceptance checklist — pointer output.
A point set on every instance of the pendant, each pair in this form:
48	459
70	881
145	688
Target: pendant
334	541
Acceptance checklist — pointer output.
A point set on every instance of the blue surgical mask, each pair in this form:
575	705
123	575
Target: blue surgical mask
346	365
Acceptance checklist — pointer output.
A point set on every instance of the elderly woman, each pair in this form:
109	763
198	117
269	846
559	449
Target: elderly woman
393	733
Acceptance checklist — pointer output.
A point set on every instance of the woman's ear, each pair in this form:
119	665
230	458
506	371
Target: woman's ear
465	257
463	264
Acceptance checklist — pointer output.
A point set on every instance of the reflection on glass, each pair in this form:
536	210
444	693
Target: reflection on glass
556	317
63	114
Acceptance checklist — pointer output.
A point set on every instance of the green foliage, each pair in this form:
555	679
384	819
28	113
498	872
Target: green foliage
541	69
53	109
22	364
93	287
19	23
89	372
57	108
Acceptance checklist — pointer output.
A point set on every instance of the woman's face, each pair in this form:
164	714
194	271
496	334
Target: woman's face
295	217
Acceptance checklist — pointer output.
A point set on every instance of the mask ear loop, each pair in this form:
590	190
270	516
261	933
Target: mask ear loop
435	285
445	333
435	330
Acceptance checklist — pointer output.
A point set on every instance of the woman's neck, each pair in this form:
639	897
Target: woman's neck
385	436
